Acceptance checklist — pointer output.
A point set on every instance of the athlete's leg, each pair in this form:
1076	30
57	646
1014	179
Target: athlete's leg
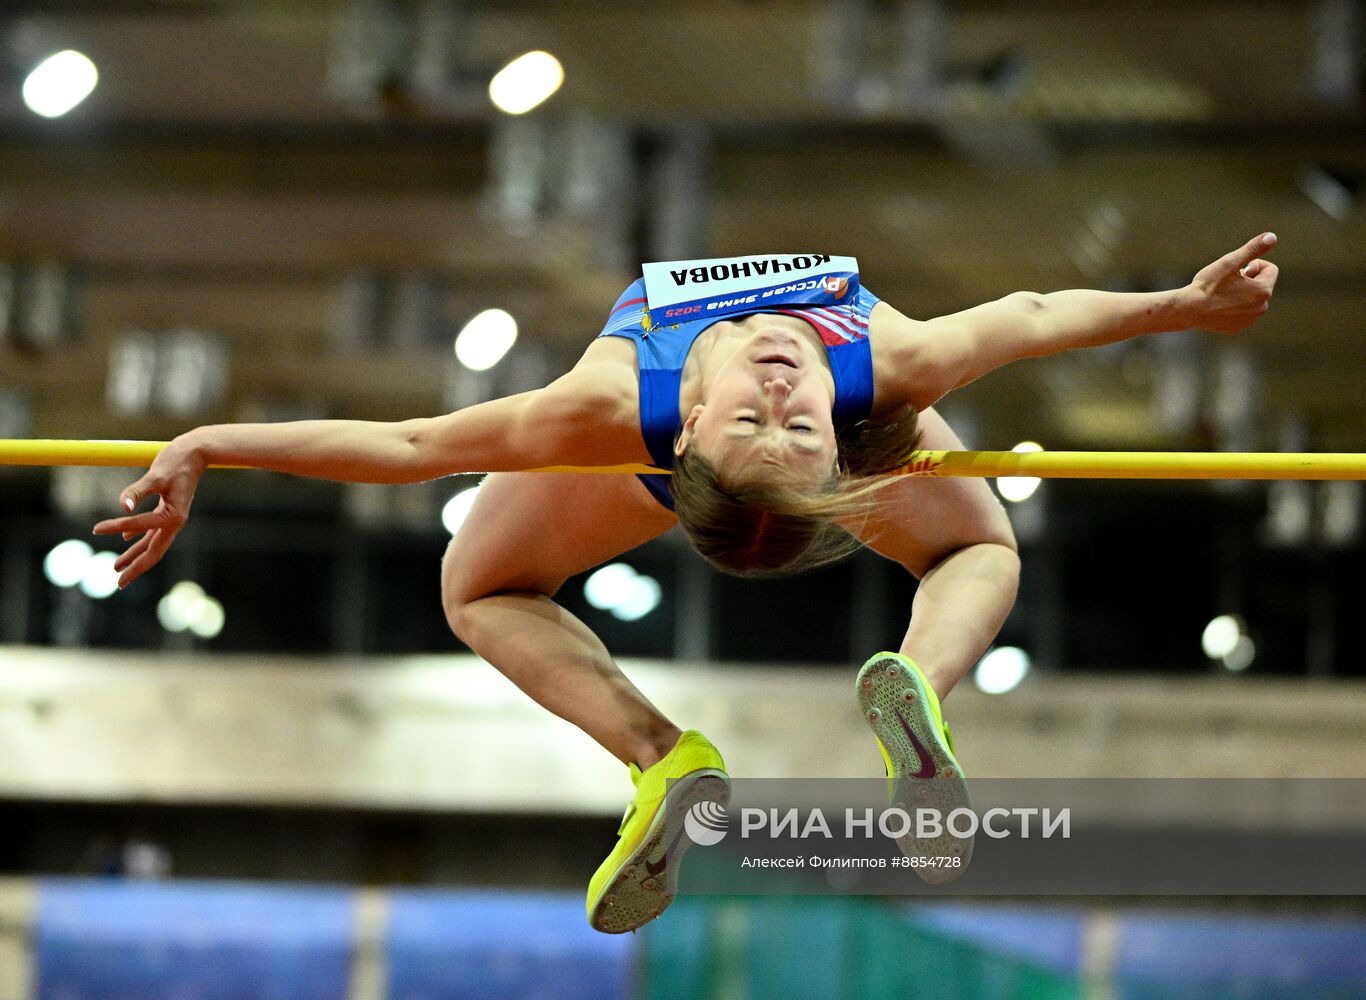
955	537
527	533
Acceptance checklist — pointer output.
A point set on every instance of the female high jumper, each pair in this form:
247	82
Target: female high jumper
774	389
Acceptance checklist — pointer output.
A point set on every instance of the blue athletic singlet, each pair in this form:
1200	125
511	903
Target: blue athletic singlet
662	349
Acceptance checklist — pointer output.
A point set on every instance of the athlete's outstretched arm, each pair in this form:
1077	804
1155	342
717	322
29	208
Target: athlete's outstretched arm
565	423
1227	296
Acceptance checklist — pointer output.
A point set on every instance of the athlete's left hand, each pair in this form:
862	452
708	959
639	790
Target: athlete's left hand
1230	295
172	479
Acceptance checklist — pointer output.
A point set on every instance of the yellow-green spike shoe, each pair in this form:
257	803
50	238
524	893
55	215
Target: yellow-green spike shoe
631	887
903	712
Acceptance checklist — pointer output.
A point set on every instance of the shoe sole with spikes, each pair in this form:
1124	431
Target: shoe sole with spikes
923	772
640	889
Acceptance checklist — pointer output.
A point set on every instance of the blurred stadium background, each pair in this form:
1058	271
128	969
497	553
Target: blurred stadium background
250	775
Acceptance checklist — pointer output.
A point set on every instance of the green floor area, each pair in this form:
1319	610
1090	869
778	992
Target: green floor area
715	948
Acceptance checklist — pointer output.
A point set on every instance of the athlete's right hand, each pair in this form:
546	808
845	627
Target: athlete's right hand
173	478
1231	293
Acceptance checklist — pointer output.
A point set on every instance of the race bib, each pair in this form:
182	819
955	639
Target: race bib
685	290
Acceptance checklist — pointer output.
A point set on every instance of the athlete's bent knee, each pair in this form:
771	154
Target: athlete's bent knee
464	587
455	593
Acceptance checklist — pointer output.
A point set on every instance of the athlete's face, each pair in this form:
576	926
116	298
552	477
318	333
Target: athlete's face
766	408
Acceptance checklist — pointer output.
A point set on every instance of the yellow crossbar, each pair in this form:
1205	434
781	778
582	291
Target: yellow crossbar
1043	464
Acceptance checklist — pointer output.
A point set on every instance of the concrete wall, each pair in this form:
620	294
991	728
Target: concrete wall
450	733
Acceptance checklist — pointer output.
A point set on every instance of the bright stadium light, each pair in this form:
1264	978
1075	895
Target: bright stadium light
1221	636
180	605
1240	657
609	586
65	565
619	589
1019	488
458	508
185	607
640	601
208	619
525	82
1225	639
59	83
1001	670
100	579
485	339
